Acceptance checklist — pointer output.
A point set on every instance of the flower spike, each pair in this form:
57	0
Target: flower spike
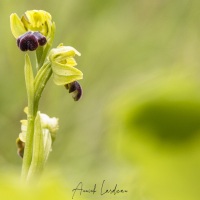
35	31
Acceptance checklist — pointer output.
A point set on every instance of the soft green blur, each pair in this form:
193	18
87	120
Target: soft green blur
138	122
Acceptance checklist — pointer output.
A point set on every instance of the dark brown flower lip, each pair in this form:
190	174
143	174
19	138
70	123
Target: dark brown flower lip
75	89
41	38
30	41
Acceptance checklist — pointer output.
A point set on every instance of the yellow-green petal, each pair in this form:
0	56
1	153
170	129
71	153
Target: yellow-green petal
63	80
71	62
38	20
62	52
64	70
16	25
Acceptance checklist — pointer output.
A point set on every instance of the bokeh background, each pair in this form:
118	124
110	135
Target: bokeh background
138	123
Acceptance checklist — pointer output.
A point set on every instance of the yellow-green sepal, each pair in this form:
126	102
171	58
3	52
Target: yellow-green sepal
16	25
63	74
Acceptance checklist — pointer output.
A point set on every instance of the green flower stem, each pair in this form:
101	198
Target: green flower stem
31	166
29	79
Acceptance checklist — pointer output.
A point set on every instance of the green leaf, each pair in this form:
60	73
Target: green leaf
37	163
41	79
42	143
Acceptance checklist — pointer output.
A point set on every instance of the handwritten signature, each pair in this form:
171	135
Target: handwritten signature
79	189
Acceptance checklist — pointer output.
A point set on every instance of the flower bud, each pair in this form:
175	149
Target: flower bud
49	125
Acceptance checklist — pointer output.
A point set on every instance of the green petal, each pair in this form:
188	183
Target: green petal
71	62
16	25
38	20
62	80
62	52
63	74
65	70
37	17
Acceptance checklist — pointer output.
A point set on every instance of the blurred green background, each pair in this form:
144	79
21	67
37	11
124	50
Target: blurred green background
138	123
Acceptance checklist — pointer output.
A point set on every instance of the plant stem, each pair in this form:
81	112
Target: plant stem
29	79
35	88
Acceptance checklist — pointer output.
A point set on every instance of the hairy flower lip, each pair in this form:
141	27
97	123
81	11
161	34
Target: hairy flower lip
75	89
40	38
27	42
30	41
